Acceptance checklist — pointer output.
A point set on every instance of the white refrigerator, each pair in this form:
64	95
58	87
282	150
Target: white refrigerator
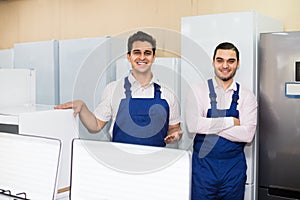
81	66
6	58
201	34
42	56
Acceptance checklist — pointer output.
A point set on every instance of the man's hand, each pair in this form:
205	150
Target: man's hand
173	137
236	121
76	105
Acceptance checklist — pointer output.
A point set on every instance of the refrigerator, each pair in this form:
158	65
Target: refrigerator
42	56
6	58
200	35
82	63
17	87
279	114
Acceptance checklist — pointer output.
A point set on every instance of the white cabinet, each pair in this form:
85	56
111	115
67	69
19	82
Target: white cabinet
200	36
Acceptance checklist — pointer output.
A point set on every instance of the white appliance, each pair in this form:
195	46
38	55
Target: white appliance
82	63
20	115
110	170
44	121
279	130
43	57
29	166
201	34
17	86
72	57
6	58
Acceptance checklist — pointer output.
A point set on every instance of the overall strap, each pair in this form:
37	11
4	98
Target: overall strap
235	97
127	87
212	94
157	92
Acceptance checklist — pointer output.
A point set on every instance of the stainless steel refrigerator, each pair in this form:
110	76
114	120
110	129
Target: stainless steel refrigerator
279	116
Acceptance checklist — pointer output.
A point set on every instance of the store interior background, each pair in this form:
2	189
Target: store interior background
23	21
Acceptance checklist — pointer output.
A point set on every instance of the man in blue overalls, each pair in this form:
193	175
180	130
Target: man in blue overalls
142	111
223	116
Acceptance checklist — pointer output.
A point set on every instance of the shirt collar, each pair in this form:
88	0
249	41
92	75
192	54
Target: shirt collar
133	81
231	87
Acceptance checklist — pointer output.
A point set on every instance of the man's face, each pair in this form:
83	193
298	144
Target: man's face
141	56
225	64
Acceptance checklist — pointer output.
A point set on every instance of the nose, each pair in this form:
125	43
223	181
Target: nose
142	56
225	64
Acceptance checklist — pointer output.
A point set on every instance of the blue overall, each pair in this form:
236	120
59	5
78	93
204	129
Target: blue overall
143	121
218	165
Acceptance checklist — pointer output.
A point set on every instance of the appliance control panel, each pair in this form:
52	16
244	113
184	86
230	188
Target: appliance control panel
297	71
292	89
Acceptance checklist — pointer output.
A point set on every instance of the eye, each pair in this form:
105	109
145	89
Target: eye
148	53
219	60
136	52
231	61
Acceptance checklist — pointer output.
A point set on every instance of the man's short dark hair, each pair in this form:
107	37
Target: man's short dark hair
143	37
227	46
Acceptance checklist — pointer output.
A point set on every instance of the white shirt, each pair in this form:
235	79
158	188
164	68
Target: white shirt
114	92
198	102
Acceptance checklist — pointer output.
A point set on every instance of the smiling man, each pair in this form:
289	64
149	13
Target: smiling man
223	116
142	111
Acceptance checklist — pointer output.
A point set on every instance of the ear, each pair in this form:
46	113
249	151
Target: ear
128	56
238	64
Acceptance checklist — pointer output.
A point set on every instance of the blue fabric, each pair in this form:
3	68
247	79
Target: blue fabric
218	165
143	121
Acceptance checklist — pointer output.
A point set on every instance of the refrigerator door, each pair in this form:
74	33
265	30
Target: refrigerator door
279	114
17	87
72	55
43	57
82	63
6	58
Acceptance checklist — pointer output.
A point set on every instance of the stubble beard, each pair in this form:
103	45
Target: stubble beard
225	79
